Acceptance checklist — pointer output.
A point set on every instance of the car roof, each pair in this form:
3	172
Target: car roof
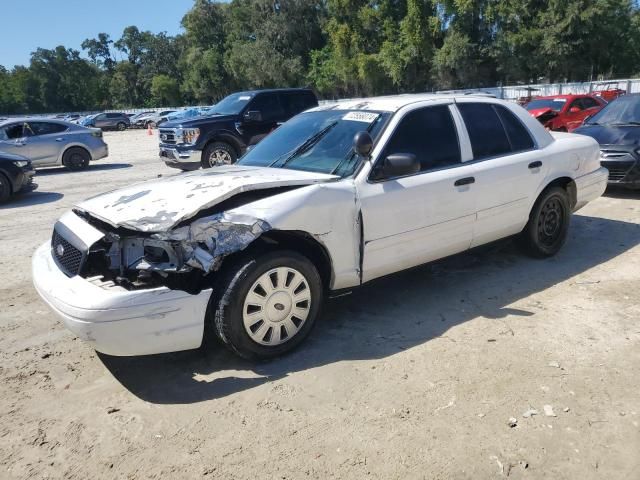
34	119
393	103
274	90
568	96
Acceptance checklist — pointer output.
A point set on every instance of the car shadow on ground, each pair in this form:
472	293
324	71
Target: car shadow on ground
622	193
387	316
31	198
93	167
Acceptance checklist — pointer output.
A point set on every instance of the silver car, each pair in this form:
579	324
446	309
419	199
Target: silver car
48	142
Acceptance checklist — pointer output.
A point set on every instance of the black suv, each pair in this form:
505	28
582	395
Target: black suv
234	124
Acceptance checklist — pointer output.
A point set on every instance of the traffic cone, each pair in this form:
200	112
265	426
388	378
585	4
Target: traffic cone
149	131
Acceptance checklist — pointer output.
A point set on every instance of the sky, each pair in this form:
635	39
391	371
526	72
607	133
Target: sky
27	25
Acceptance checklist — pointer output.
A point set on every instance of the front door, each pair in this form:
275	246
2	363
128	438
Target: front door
271	112
414	219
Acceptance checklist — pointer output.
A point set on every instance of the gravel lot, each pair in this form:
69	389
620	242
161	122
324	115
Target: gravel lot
413	376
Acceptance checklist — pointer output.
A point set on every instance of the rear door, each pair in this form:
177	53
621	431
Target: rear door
46	142
12	139
508	168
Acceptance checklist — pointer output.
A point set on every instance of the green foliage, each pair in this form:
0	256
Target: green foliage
342	48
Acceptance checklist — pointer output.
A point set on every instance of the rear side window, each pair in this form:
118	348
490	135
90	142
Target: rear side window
589	102
46	128
488	138
428	133
296	102
269	105
519	136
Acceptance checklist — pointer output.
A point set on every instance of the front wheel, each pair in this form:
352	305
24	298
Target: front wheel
5	188
548	225
122	126
218	153
266	306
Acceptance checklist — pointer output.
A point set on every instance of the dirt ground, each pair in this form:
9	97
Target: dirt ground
414	376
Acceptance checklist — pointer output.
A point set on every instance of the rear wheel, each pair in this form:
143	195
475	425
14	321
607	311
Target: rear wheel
76	158
218	153
548	226
5	188
267	306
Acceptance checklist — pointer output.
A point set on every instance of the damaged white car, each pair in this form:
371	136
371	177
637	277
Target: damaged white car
337	196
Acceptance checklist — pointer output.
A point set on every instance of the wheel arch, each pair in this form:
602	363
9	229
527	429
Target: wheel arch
226	138
295	240
73	145
568	184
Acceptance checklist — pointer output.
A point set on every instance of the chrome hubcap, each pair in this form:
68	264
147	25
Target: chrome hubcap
276	307
219	157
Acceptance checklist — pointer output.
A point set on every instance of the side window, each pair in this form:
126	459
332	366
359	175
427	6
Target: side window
269	105
46	128
488	137
294	103
519	136
429	134
589	102
576	104
14	131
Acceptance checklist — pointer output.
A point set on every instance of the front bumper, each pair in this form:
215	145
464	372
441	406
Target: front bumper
623	166
117	321
182	159
26	184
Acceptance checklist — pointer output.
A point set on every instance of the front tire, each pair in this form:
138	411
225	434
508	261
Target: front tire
76	158
218	153
548	225
266	306
121	126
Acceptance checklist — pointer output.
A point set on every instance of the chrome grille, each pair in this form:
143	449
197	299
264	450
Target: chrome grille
167	135
68	257
617	162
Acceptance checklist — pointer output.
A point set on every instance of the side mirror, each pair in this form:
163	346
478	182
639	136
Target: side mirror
363	144
253	116
399	165
574	110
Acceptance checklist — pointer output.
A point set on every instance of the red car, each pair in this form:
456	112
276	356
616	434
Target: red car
564	113
608	91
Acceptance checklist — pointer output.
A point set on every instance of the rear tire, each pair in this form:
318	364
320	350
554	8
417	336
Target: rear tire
76	158
5	188
548	225
218	153
267	305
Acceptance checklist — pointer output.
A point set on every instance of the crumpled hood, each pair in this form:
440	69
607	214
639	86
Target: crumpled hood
612	135
159	205
537	112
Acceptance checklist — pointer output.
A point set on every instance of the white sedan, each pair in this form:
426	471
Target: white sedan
336	197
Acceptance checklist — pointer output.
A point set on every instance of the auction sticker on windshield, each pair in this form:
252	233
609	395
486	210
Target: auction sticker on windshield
366	117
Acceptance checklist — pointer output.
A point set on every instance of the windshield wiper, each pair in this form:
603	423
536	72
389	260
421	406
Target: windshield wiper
304	146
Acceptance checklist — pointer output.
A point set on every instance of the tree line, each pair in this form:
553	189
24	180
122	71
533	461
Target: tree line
341	48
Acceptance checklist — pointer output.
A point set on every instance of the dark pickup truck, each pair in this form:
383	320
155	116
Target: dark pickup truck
237	122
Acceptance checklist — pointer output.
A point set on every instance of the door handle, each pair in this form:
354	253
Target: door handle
464	181
536	164
59	139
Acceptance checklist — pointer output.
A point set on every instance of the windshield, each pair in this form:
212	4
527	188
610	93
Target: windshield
554	104
624	110
233	104
319	141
